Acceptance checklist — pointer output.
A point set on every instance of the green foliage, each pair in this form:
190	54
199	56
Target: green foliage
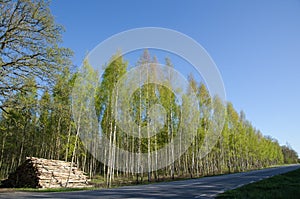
29	48
290	155
44	126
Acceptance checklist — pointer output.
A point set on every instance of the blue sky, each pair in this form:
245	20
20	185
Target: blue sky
254	43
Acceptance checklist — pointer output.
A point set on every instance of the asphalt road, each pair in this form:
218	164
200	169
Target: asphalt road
207	187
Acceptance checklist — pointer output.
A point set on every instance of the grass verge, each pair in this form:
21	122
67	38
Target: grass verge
280	186
47	189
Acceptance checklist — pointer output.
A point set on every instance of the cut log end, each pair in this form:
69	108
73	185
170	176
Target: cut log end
45	173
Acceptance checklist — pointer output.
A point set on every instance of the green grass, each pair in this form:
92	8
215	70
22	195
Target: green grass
281	186
47	189
99	181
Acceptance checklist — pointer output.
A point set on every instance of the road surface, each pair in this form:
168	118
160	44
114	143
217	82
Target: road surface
207	187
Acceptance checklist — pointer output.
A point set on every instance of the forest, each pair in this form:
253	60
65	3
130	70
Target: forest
37	82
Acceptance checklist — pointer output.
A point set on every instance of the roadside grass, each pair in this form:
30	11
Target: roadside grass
53	189
99	181
285	185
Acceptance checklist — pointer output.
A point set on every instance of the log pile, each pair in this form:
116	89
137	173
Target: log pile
45	173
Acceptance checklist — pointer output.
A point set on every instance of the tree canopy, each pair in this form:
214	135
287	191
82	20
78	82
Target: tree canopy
29	47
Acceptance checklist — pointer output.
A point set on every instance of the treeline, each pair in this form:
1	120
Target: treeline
36	117
45	127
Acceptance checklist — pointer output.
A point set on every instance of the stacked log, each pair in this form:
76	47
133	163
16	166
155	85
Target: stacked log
45	173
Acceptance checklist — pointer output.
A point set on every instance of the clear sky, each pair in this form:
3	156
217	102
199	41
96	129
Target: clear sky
255	44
